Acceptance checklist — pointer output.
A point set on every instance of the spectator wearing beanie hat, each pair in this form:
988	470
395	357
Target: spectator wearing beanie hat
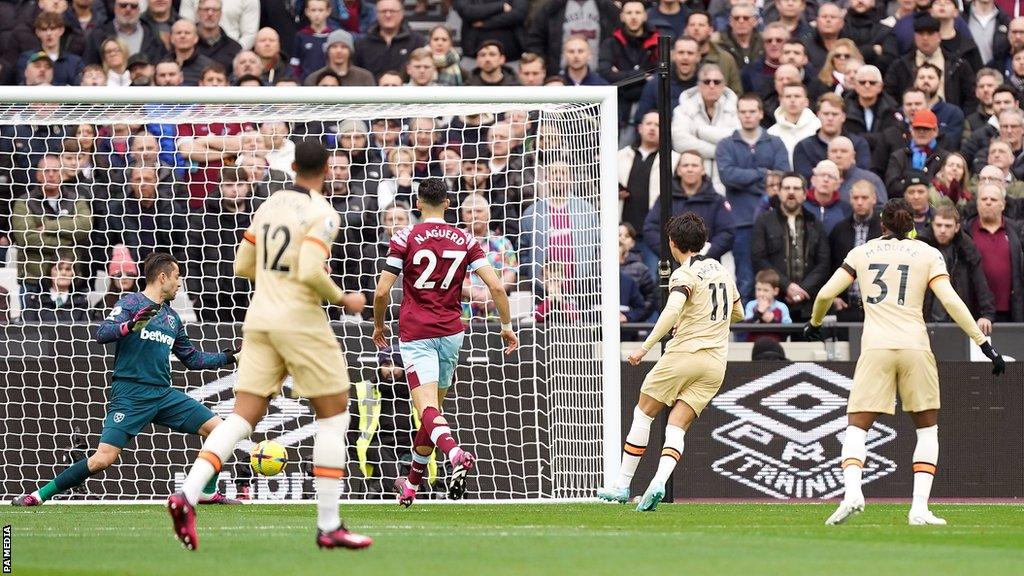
339	49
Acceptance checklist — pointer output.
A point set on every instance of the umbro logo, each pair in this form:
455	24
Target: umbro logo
788	434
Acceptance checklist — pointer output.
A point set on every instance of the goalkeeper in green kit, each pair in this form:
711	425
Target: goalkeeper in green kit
147	330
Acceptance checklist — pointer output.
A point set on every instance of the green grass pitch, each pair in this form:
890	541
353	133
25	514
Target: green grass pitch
522	539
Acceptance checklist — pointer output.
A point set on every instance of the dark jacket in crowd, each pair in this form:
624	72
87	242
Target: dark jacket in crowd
900	162
958	80
706	203
843	238
866	31
631	302
887	115
508	78
770	248
505	27
376	55
223	51
546	32
152	45
42	308
813	149
634	267
649	93
213	233
626	58
963	262
162	226
1015	235
895	138
828	213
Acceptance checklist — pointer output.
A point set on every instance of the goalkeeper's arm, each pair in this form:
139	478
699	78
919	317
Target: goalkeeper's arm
836	285
313	256
668	318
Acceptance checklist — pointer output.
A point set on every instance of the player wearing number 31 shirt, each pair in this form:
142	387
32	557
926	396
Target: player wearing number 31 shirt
434	258
894	273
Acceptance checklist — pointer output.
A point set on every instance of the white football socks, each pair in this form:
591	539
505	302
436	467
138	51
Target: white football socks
636	445
670	453
328	468
854	455
926	456
218	447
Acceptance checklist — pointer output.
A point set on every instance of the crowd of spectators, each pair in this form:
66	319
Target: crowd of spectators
793	121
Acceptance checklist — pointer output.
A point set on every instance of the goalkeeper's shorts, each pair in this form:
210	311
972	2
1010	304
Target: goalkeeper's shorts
133	406
431	360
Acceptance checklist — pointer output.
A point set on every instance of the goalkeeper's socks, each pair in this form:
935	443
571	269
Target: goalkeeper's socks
926	456
72	476
329	468
670	453
210	489
218	448
854	455
636	445
440	434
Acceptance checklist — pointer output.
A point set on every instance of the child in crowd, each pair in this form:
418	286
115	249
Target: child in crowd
764	308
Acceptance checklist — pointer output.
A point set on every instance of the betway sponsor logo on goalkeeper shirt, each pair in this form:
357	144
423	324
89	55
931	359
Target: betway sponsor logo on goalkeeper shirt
788	434
156	336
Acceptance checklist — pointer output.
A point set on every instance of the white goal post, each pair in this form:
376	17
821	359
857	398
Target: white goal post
545	422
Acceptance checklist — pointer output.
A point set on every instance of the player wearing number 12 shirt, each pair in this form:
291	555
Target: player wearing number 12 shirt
434	257
894	273
286	332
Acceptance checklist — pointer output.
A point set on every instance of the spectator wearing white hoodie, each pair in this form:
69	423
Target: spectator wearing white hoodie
706	115
794	119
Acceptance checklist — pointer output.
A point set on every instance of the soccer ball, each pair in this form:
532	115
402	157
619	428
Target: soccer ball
268	458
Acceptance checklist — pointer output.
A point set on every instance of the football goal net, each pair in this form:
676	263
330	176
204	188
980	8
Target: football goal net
94	180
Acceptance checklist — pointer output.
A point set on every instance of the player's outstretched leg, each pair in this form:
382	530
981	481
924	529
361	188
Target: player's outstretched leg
926	456
632	451
215	451
854	455
72	476
422	449
670	455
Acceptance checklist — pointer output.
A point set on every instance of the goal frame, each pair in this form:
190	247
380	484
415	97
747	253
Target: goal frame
605	96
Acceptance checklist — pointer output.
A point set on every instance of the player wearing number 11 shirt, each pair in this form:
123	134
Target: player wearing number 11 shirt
703	301
434	258
894	272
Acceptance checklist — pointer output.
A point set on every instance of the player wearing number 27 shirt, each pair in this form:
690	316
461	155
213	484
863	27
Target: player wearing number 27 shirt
894	272
434	257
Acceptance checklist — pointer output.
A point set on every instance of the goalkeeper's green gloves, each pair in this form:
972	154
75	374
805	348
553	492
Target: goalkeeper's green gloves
139	320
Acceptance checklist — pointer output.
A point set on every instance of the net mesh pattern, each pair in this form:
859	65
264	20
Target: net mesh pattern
91	189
